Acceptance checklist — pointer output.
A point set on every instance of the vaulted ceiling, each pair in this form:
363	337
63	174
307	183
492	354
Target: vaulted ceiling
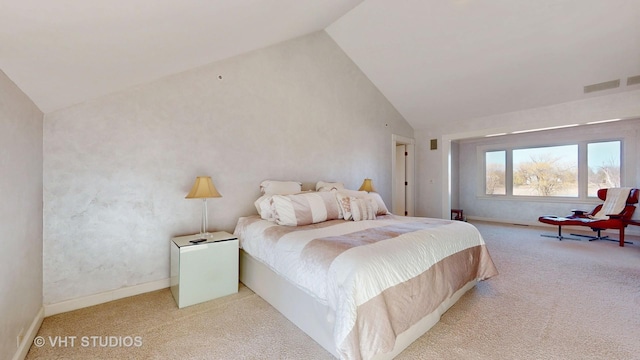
435	60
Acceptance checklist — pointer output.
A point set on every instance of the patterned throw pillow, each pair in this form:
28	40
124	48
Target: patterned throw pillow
344	202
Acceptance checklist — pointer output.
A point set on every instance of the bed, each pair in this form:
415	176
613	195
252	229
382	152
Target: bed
361	289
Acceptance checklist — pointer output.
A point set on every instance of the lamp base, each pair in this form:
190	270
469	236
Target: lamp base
203	225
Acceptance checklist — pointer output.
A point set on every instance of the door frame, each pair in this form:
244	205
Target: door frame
410	171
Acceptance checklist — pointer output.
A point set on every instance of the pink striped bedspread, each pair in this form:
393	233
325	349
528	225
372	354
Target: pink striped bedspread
380	276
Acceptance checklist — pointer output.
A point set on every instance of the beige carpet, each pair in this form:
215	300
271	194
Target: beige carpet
552	300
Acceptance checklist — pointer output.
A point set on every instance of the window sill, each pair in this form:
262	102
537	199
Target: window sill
556	200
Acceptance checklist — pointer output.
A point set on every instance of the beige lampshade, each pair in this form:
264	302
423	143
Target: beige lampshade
203	188
367	185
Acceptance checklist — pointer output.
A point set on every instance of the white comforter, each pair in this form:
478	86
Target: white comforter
350	277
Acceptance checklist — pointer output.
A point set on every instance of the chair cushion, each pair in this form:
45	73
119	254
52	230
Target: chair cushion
581	221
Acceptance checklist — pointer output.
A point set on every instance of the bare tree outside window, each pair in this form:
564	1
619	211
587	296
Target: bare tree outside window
552	171
603	159
547	171
496	172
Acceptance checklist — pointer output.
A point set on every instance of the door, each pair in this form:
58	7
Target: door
400	191
403	175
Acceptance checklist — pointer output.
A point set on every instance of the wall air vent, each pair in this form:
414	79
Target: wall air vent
633	80
602	86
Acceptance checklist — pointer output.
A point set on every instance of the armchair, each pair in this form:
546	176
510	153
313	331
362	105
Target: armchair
614	213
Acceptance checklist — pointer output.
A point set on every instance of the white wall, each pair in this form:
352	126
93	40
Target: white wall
20	214
526	211
116	169
433	178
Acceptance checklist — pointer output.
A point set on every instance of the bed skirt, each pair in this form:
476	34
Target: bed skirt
315	319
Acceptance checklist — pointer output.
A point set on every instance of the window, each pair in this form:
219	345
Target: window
603	159
495	171
546	171
574	170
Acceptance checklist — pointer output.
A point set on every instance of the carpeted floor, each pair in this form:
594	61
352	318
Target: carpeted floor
552	300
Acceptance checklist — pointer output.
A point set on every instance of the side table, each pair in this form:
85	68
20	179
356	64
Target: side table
203	270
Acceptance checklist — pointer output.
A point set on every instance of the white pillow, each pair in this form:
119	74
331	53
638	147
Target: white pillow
362	209
328	186
381	208
274	187
305	208
264	207
354	193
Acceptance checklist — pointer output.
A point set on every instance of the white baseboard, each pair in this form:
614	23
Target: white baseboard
631	230
86	301
505	221
31	333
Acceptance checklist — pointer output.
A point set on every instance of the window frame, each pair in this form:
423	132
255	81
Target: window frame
583	168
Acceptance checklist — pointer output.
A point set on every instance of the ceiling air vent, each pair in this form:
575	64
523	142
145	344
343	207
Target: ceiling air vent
602	86
633	80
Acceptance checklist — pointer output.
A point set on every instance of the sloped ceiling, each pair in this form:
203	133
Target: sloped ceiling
461	59
436	60
62	52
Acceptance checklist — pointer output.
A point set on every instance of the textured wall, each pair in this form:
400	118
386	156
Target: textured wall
116	169
20	214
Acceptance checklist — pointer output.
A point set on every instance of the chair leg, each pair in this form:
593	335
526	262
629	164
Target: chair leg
559	236
597	237
600	237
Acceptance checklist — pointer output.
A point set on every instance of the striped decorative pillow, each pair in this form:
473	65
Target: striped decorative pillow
362	209
305	208
343	197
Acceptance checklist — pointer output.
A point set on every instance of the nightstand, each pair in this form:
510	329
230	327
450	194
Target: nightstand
205	270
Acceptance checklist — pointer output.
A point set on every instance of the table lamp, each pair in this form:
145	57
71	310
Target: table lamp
367	185
203	189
